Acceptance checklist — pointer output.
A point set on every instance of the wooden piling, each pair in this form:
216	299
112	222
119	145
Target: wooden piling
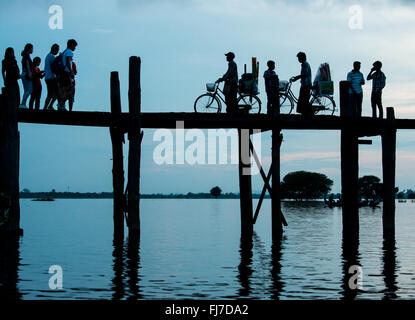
349	164
245	183
117	139
9	156
276	215
134	154
388	166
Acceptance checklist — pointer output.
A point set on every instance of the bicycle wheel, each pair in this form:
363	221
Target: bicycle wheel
207	103
323	105
286	104
251	101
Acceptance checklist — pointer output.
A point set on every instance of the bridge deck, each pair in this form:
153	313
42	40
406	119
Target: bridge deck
205	121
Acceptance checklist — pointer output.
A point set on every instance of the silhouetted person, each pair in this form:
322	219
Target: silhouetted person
271	87
71	99
356	93
50	78
37	84
303	105
231	84
11	73
65	79
26	76
378	83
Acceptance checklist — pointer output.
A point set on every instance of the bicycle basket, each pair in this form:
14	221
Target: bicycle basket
210	87
283	85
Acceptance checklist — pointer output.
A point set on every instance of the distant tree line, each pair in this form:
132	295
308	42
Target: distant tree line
298	185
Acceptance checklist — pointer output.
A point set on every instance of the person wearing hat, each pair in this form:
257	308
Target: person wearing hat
230	89
378	83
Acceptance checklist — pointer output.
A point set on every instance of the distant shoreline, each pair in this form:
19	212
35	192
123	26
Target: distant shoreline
109	195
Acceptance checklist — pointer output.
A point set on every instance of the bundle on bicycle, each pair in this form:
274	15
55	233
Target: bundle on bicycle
321	101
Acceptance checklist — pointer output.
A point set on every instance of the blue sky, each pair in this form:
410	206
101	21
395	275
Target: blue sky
182	45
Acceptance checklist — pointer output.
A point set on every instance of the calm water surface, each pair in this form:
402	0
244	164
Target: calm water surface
191	249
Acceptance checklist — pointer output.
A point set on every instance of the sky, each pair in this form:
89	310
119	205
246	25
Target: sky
182	45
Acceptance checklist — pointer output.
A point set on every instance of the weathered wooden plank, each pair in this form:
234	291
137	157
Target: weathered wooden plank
117	139
9	156
388	165
366	126
134	154
245	183
276	214
349	167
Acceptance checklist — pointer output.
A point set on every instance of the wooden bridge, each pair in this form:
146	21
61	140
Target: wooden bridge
134	121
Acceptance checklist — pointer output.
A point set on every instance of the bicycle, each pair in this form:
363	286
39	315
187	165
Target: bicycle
321	103
211	102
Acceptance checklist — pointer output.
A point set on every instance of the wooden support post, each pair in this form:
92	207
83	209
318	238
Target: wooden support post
349	165
9	157
245	183
117	139
276	180
389	164
134	154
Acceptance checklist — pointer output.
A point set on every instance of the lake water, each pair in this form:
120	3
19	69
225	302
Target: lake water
191	249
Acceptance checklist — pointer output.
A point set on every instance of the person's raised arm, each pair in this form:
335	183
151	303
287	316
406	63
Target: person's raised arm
370	75
3	72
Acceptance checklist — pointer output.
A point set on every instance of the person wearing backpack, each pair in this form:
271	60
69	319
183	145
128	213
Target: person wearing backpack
50	78
65	78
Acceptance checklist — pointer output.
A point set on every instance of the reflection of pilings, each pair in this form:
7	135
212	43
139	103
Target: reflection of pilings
118	267
244	268
276	254
389	266
350	255
9	265
133	265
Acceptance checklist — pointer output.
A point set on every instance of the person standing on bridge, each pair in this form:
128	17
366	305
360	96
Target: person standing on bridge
11	73
378	83
355	92
36	84
50	78
27	65
65	81
303	104
230	89
271	87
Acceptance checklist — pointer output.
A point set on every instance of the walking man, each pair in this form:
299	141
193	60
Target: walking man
50	78
378	83
271	87
231	84
355	91
303	105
